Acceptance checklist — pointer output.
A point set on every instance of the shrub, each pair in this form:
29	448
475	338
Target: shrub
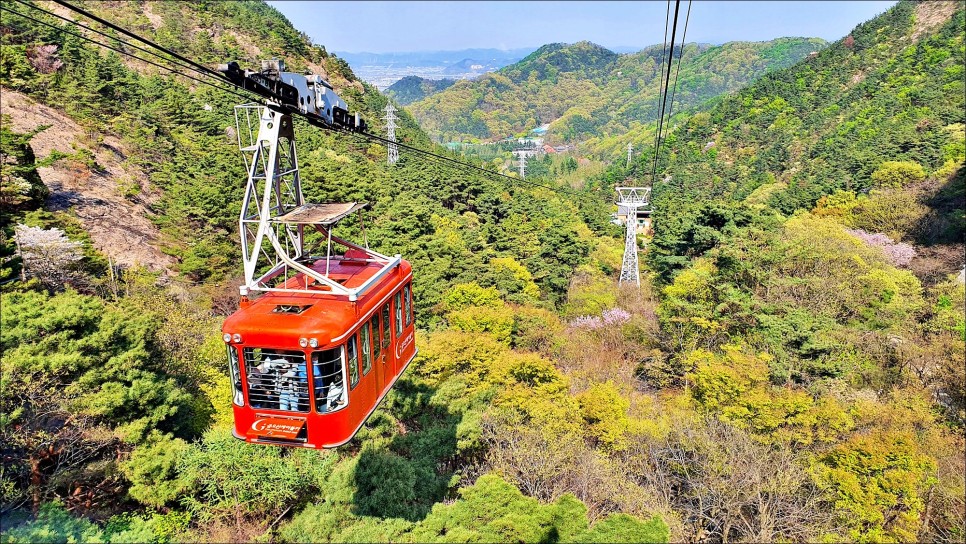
897	174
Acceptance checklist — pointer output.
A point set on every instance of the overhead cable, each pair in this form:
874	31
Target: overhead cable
127	53
130	34
660	122
207	72
661	90
677	71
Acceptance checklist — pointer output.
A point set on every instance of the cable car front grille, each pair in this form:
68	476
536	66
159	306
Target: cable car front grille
277	380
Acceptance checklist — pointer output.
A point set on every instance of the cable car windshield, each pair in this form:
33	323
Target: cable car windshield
277	380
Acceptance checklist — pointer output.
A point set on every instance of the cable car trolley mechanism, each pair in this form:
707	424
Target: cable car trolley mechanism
315	353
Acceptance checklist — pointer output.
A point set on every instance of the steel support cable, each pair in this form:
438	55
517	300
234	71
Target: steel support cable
110	37
316	122
467	166
661	89
677	70
121	51
660	125
449	161
145	41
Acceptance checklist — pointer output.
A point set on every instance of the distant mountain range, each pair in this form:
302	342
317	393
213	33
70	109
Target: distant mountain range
384	69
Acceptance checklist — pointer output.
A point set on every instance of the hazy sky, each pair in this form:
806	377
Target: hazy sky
381	27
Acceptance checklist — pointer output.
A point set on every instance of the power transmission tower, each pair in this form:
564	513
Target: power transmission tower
391	133
629	148
522	155
630	200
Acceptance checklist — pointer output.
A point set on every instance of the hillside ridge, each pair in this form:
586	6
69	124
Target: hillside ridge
585	90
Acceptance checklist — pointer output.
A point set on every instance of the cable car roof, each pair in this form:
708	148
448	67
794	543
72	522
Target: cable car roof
323	315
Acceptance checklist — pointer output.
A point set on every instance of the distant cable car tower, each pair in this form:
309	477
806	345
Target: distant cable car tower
631	200
522	155
391	133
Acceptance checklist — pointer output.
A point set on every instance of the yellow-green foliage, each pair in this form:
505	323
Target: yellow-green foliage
470	294
607	256
895	212
837	204
536	329
734	384
590	294
688	305
604	410
693	285
446	353
484	363
827	270
513	277
949	302
898	173
471	308
821	246
151	469
877	481
494	320
892	295
759	197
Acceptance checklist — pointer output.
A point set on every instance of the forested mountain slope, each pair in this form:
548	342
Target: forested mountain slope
785	372
181	137
116	403
880	110
809	231
583	89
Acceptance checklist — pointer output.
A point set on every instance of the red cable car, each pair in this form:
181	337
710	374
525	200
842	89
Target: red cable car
308	369
312	357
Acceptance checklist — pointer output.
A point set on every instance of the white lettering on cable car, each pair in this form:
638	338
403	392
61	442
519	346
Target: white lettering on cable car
261	425
401	346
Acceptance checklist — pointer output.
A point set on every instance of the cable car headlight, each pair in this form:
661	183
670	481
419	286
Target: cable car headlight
236	338
313	342
303	342
226	337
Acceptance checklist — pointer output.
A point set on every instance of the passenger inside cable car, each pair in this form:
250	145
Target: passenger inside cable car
277	379
327	376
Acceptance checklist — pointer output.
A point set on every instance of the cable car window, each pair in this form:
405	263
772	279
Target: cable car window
376	343
235	373
386	326
409	305
365	337
277	379
352	359
399	317
328	380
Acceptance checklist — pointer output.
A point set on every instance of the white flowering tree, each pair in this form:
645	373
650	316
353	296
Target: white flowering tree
47	254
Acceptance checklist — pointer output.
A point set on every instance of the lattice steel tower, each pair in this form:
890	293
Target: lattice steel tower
629	148
522	154
391	133
630	200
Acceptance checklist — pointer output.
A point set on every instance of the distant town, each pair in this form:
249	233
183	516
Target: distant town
384	69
